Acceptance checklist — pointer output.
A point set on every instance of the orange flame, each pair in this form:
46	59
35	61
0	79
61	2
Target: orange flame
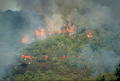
26	56
46	56
59	31
64	25
64	56
37	33
53	28
64	31
79	56
48	32
43	32
71	30
89	35
25	40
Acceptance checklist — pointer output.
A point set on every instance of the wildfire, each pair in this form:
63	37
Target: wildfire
64	56
71	30
44	32
89	35
53	28
79	56
46	56
49	33
64	25
60	31
37	33
25	40
26	56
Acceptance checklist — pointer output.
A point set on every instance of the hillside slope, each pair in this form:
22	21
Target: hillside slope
99	54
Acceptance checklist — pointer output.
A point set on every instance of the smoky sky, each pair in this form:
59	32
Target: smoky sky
68	9
85	13
113	5
8	5
24	4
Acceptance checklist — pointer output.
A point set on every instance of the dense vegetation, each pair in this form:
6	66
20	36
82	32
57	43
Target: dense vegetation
71	68
99	54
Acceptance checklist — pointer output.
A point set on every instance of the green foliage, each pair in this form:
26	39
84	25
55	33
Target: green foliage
27	78
20	78
117	73
71	68
29	73
24	64
49	73
59	78
106	76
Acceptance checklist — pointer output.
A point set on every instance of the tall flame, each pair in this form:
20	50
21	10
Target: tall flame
71	30
43	32
37	33
25	40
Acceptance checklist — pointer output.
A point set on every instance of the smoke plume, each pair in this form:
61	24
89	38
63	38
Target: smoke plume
8	5
98	62
13	26
84	13
88	14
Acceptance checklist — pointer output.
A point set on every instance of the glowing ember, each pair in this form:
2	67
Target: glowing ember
25	40
26	56
64	56
64	25
88	56
79	56
46	56
60	31
89	35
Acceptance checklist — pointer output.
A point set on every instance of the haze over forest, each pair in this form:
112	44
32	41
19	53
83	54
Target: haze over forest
89	28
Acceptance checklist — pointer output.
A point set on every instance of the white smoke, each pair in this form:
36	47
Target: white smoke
85	13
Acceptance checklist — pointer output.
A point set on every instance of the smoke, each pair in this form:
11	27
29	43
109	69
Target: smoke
84	13
96	61
100	62
8	5
113	5
89	14
13	26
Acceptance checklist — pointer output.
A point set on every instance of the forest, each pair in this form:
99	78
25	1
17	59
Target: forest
87	58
